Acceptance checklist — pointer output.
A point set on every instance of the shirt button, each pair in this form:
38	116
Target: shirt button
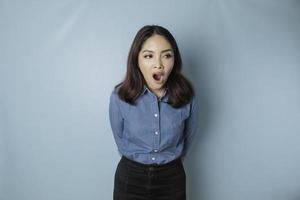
156	133
155	115
153	158
155	150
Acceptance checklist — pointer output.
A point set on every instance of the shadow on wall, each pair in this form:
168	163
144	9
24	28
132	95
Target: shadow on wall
196	59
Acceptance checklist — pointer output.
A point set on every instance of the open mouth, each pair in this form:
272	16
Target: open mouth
157	76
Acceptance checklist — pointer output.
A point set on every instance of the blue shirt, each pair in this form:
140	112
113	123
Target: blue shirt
152	131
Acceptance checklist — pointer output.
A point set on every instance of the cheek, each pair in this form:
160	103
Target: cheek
145	67
142	67
144	71
169	63
144	74
143	64
170	68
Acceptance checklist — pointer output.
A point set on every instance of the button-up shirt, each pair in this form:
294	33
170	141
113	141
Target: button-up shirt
152	131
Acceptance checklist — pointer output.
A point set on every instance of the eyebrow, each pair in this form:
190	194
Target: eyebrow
161	51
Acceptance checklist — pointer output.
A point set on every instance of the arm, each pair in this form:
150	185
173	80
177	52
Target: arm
116	120
191	127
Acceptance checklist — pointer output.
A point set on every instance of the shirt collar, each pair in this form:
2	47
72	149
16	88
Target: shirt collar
163	98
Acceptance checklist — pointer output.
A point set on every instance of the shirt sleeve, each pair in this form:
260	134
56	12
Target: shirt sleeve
191	127
116	120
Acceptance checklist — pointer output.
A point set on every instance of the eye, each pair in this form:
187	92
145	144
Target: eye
148	56
168	55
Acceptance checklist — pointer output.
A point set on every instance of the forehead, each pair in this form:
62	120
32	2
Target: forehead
156	42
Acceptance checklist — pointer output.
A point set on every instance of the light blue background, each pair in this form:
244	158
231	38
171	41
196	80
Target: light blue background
59	61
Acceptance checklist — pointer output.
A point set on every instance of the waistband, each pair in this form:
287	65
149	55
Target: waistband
155	165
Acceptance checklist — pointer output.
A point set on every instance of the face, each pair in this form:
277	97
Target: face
156	61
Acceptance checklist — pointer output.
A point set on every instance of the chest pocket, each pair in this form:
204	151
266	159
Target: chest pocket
172	126
137	128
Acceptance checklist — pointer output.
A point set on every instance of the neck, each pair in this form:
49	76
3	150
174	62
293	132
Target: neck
160	93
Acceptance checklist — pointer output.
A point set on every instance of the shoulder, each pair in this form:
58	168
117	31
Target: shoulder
193	105
114	94
194	100
114	97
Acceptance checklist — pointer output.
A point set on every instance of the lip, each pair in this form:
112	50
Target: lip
158	73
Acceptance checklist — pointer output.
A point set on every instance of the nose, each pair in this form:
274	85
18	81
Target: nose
158	63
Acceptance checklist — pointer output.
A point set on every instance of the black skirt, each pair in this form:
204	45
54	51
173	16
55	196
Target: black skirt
138	181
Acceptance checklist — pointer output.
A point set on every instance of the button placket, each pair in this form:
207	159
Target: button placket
156	132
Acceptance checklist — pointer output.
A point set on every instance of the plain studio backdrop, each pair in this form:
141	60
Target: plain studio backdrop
59	61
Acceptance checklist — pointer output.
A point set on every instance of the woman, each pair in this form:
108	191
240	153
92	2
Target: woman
153	116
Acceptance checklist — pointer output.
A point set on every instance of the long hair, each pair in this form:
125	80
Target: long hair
180	89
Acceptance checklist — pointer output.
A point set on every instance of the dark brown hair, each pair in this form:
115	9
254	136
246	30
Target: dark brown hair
180	89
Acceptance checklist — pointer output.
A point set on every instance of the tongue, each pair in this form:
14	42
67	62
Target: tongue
156	77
